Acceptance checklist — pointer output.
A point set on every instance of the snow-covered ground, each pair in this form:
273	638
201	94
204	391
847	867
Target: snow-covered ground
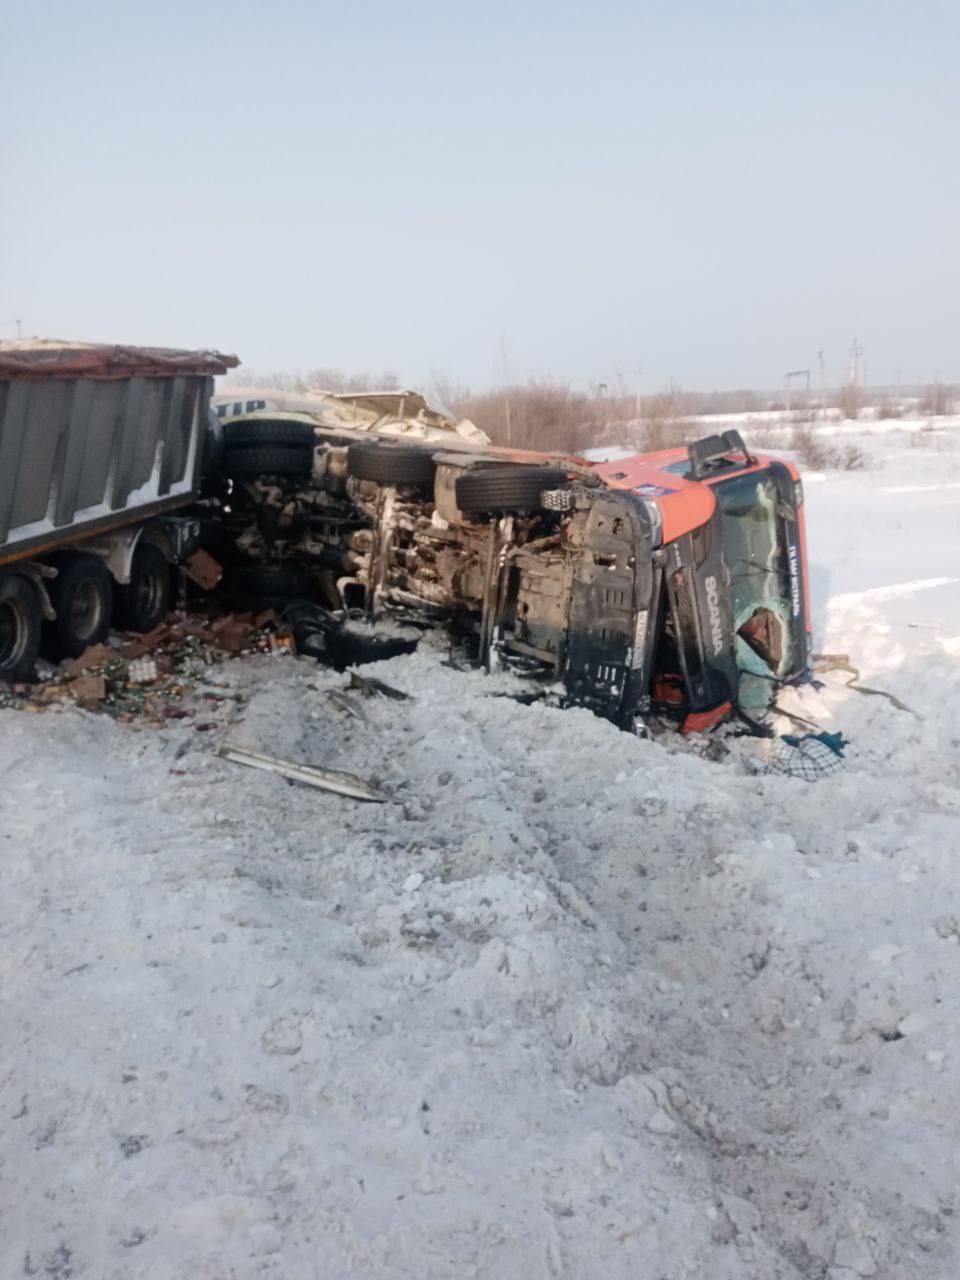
573	1004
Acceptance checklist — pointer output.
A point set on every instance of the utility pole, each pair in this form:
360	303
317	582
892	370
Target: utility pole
856	355
637	372
823	387
787	379
853	396
623	373
505	380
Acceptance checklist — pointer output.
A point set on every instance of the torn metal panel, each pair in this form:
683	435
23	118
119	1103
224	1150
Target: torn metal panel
371	687
387	413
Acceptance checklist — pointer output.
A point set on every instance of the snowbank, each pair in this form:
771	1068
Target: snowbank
573	1004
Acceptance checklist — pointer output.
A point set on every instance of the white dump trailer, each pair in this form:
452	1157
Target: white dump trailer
101	447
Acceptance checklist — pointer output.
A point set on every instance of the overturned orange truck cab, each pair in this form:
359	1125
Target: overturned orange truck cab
730	611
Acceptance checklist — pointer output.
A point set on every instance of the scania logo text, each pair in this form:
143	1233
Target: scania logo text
713	611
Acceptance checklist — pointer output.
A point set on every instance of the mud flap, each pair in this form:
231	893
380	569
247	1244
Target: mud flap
701	721
610	634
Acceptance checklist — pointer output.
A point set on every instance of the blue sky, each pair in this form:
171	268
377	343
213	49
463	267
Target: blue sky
707	192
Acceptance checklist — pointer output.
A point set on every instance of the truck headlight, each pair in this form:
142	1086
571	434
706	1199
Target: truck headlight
652	508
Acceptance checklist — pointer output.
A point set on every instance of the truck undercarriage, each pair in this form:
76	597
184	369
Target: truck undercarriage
560	592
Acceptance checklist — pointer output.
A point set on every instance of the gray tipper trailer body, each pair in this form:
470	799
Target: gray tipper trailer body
99	446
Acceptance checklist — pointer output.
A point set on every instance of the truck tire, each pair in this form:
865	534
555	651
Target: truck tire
20	624
389	463
268	431
270	581
144	602
268	460
82	595
505	489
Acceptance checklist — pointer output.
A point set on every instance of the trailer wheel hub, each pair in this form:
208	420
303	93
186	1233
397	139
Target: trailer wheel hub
86	609
151	590
14	632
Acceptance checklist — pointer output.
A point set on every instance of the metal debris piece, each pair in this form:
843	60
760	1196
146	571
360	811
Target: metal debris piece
348	704
526	699
371	687
344	784
824	662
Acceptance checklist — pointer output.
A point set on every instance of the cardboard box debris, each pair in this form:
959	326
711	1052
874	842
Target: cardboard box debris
89	660
147	677
203	570
87	689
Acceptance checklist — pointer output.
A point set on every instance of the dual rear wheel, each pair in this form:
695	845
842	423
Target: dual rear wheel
82	596
19	627
86	604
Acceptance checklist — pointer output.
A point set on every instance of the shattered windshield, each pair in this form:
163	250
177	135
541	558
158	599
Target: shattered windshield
755	549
